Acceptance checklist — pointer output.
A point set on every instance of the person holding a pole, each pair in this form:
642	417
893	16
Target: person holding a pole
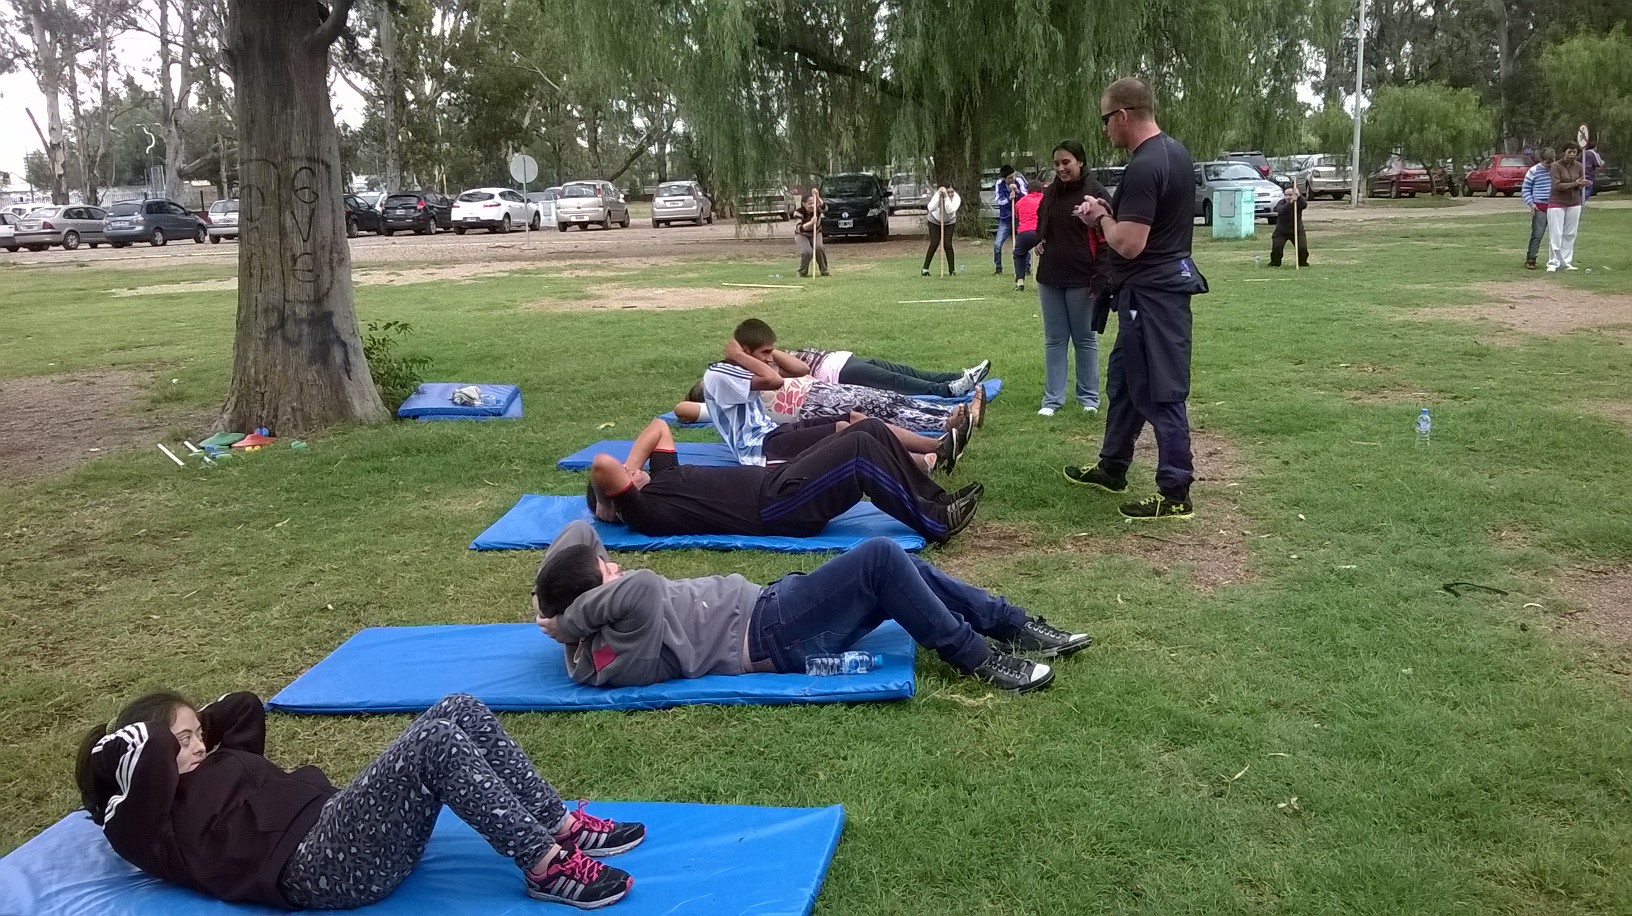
807	233
1010	187
943	218
1148	227
1288	226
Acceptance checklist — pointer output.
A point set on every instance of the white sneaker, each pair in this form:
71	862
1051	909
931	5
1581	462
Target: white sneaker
1551	269
1046	412
1571	267
1087	409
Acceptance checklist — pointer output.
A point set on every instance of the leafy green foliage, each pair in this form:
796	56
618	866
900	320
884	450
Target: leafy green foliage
395	375
1591	77
1430	122
1331	129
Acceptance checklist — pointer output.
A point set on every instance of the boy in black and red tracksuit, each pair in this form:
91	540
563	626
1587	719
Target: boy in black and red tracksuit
1289	218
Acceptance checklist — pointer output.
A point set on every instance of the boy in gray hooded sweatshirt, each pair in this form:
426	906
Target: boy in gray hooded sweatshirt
633	628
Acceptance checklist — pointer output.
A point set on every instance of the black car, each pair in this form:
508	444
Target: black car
360	216
858	204
422	211
1609	178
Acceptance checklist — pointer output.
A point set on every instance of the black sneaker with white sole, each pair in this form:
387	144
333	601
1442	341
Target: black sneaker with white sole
1097	476
950	449
577	880
1158	507
1037	637
599	836
1016	675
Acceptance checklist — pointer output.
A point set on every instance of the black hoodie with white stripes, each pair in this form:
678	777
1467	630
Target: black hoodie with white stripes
227	827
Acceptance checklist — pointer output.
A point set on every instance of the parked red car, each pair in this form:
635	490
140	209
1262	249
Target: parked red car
1497	174
1405	178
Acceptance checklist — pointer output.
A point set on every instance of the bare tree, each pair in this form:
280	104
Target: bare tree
50	26
298	363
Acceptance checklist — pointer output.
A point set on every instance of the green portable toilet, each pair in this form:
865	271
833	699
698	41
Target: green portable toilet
1233	216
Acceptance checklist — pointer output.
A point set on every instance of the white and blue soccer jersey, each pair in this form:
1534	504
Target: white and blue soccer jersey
736	411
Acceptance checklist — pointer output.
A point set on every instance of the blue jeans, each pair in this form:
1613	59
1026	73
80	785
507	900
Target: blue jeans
1005	229
1068	318
825	611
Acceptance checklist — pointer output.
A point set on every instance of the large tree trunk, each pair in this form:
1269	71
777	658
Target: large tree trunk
1504	74
48	51
390	89
957	162
298	363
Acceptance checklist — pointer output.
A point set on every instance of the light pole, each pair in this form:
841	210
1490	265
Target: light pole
1355	177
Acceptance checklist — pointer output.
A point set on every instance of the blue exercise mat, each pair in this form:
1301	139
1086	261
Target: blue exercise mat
534	521
434	401
992	386
698	860
515	667
706	454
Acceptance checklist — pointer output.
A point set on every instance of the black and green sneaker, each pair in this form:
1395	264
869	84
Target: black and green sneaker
1156	507
1097	476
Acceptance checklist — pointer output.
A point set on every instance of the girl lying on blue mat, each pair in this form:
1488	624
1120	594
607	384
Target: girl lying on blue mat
632	628
806	398
187	795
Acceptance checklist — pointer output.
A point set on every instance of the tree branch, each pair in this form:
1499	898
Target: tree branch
803	45
334	24
638	151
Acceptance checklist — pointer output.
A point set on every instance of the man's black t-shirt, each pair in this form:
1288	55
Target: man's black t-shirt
687	499
1158	189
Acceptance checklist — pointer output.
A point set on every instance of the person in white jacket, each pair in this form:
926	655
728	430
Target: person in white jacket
943	217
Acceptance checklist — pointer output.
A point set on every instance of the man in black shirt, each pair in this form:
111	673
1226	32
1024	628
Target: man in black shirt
795	499
1147	226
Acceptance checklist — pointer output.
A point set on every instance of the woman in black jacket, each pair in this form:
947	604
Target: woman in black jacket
187	795
1066	278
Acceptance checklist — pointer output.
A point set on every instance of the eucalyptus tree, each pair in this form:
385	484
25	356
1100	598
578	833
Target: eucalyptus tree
298	362
767	85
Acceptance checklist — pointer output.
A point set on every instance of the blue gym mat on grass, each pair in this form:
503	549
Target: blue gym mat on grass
992	386
434	401
698	860
515	667
707	454
534	521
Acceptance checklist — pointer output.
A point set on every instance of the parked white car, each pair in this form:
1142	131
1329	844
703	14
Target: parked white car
545	201
681	200
493	209
223	220
8	230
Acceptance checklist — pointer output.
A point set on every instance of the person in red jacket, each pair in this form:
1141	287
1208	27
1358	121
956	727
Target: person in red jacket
188	796
1025	224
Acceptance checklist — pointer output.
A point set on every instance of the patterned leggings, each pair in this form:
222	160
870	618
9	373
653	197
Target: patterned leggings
828	400
371	834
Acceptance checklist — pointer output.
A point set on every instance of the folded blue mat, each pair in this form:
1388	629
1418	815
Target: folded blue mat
707	454
516	668
434	401
698	860
992	386
534	521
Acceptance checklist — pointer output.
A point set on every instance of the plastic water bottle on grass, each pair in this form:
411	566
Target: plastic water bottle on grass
1425	428
845	663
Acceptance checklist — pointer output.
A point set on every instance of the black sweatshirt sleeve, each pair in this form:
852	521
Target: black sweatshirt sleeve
139	760
237	721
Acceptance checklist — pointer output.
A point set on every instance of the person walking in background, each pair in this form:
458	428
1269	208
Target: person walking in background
1564	209
943	217
1537	191
1066	280
1591	162
1289	222
1025	238
1010	187
1148	228
807	233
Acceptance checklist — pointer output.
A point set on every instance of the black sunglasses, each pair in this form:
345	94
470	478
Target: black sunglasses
1105	119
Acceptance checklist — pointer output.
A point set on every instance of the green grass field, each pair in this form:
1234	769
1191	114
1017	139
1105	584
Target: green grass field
1330	733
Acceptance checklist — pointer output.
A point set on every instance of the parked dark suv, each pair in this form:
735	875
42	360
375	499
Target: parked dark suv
155	222
858	204
421	211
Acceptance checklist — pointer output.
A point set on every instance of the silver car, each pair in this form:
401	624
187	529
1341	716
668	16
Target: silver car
545	200
223	221
65	226
908	192
681	200
1323	173
1217	176
593	201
